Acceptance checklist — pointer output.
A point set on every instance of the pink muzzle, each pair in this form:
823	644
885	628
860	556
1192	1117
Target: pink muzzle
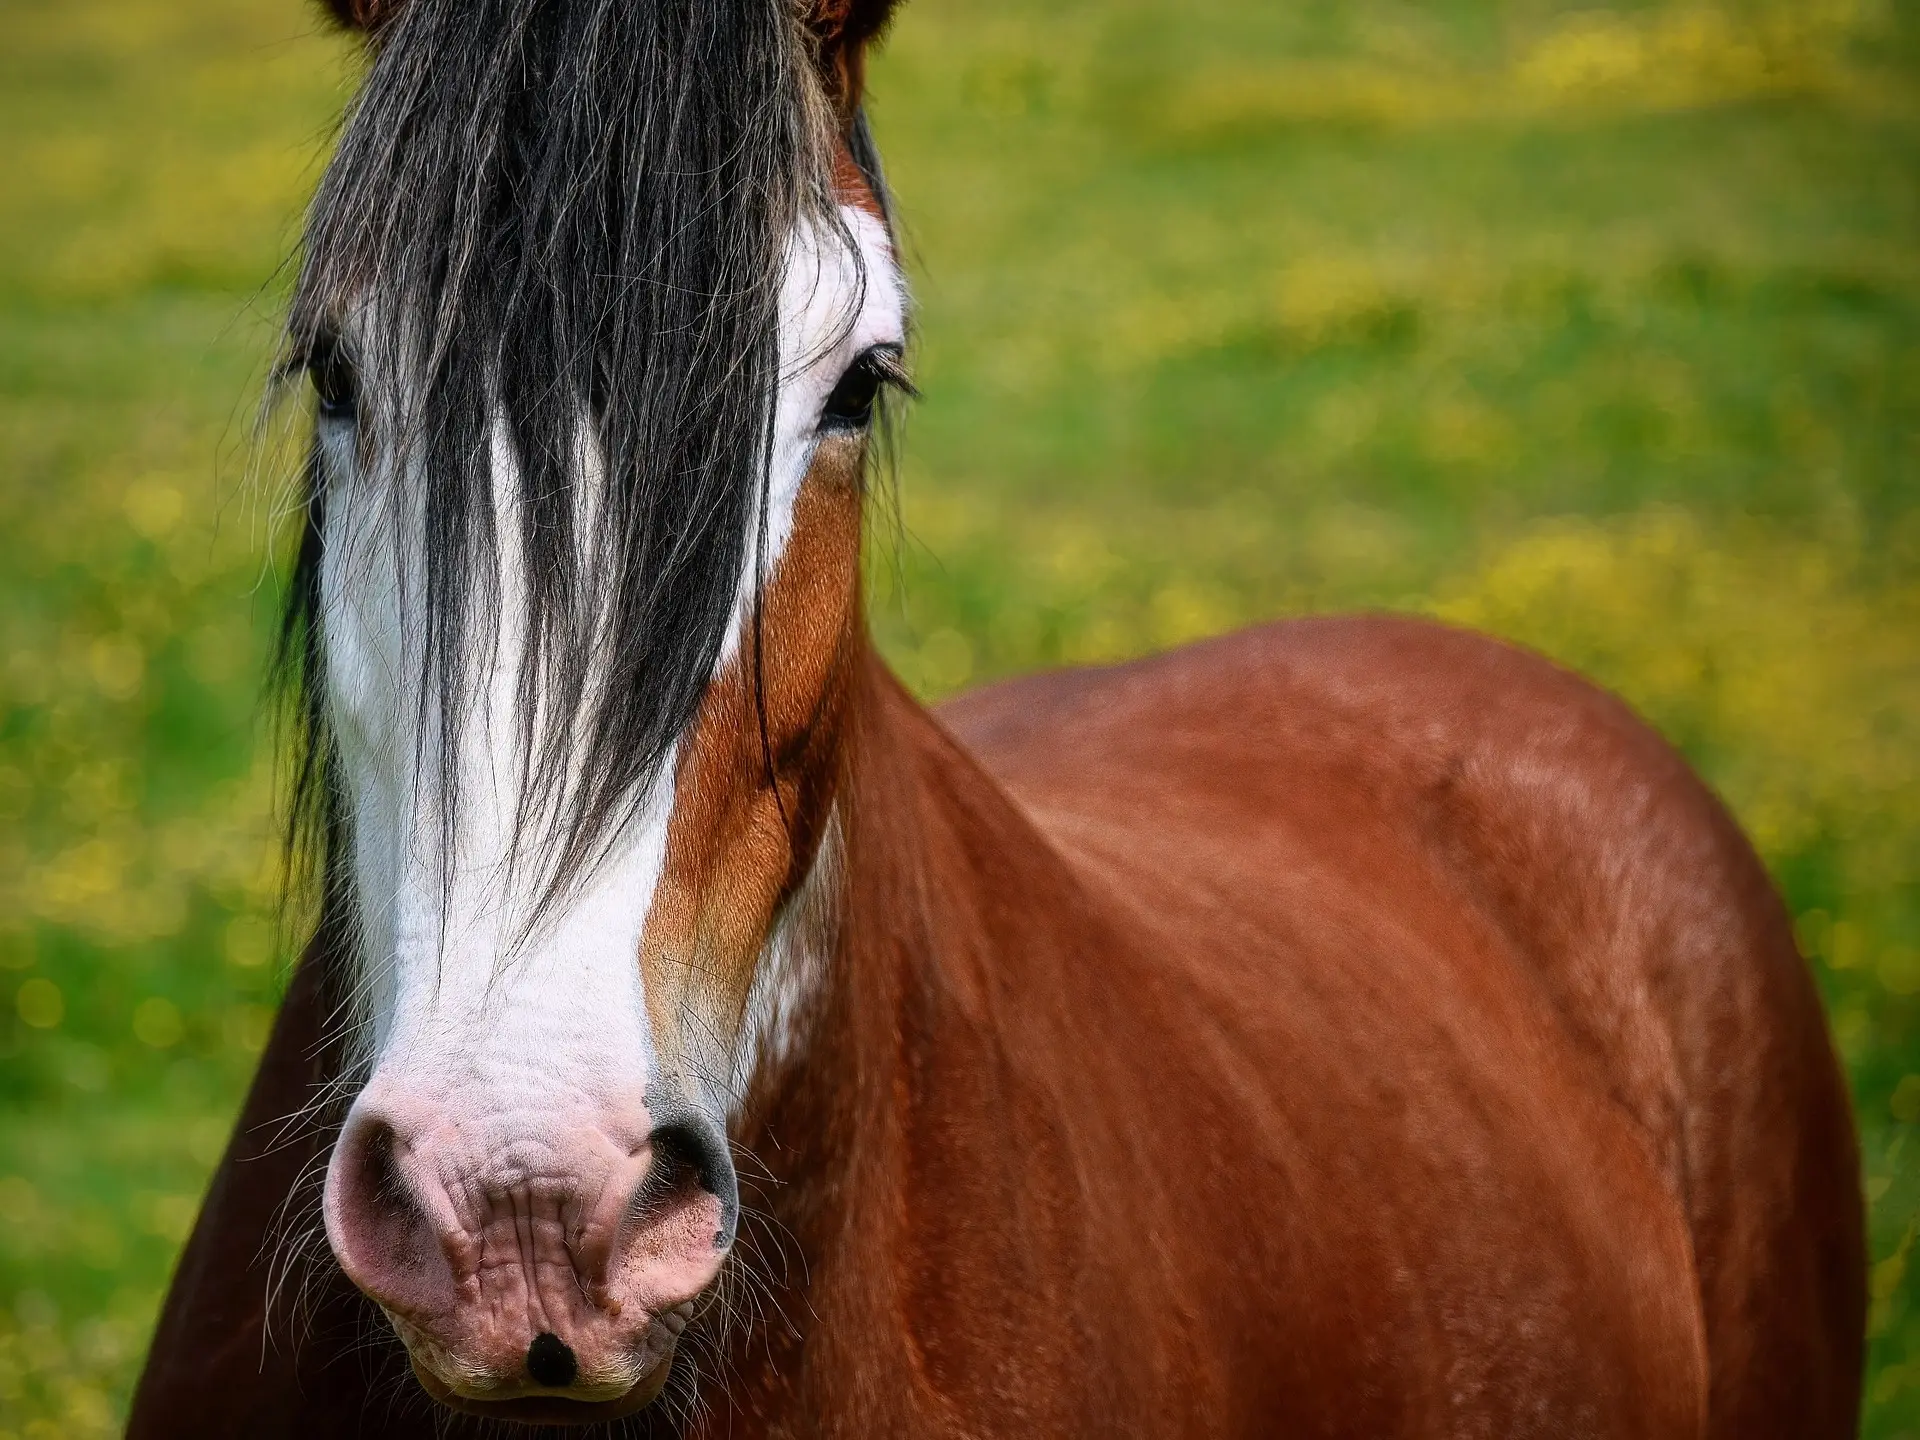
543	1257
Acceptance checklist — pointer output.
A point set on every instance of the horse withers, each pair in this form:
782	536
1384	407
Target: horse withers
1351	1027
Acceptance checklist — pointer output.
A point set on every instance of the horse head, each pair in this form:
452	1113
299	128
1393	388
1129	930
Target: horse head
598	302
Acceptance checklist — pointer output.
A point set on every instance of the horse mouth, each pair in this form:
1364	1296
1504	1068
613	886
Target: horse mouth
552	1409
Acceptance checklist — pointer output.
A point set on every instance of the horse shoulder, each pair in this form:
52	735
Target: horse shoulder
1489	803
1540	802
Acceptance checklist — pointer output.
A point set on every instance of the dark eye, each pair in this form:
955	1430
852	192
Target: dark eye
850	406
335	385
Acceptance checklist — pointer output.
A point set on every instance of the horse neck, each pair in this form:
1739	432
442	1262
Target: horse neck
944	885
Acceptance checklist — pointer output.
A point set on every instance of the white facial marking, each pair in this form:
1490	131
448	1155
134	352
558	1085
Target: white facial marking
508	1039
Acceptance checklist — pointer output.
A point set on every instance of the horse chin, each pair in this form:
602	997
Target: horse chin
552	1409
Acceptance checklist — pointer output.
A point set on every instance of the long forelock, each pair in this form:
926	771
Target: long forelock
568	217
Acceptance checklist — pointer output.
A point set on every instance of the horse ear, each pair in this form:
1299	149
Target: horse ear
366	15
844	28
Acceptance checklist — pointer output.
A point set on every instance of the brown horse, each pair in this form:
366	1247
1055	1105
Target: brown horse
1346	1028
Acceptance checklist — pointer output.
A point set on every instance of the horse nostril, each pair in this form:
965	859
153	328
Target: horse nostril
384	1184
682	1155
374	1217
689	1154
550	1361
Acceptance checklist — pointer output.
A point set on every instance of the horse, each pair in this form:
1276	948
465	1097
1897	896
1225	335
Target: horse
1348	1027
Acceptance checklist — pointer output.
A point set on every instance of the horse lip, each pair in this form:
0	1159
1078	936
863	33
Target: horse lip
552	1409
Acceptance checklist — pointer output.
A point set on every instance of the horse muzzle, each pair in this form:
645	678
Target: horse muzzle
539	1264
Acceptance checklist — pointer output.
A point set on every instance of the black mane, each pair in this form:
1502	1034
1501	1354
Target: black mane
563	211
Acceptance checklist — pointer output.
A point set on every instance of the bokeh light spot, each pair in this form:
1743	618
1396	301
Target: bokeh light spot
157	1022
40	1003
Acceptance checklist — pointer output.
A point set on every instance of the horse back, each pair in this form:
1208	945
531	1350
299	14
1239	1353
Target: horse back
1498	998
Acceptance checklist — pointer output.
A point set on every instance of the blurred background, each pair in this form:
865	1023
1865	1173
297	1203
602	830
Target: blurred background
1595	327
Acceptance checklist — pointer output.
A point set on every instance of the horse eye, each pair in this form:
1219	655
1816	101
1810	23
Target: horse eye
335	384
850	406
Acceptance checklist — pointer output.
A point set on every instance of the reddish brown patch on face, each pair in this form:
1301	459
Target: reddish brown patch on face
850	187
739	841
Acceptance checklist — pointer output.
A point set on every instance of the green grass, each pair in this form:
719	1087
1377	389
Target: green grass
1598	328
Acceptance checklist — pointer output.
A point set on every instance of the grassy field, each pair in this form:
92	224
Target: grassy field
1599	328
